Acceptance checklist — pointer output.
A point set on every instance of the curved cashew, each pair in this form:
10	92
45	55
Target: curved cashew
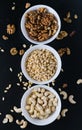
42	90
63	112
42	112
79	81
39	101
27	107
9	118
17	110
46	93
51	95
48	111
39	107
59	116
22	123
64	94
71	100
31	109
34	115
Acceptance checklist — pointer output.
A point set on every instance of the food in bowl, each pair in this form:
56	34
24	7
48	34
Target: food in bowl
41	103
41	64
41	24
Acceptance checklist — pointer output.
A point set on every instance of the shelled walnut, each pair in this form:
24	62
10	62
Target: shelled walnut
11	29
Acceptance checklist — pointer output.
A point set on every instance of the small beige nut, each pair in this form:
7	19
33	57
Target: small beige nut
9	117
5	120
79	81
17	110
63	112
24	124
71	100
64	94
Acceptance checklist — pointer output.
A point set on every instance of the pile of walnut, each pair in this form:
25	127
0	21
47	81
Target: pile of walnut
41	103
40	24
41	65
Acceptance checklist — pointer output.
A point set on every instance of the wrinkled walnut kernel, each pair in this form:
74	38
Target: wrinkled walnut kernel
11	29
13	51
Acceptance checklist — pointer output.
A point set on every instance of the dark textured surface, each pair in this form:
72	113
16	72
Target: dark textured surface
72	64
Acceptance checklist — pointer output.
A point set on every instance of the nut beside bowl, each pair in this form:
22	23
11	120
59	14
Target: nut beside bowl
43	121
44	35
42	68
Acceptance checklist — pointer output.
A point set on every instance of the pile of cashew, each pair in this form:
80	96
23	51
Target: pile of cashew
22	123
41	103
8	118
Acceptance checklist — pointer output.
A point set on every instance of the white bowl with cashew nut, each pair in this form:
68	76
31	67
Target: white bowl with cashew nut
40	105
40	24
41	64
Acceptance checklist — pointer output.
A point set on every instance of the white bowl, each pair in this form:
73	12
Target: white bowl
23	29
53	51
39	122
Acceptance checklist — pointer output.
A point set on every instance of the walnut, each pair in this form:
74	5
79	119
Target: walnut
11	29
21	52
13	51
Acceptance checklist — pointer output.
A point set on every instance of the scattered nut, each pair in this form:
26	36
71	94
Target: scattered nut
65	85
5	37
71	100
64	94
27	5
75	16
68	18
62	35
11	29
63	112
17	110
79	81
21	52
22	123
8	118
13	51
72	33
58	118
11	69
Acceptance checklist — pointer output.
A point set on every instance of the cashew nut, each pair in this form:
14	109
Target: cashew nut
64	94
34	115
22	123
59	116
63	112
71	100
39	101
31	109
17	110
5	120
79	81
9	117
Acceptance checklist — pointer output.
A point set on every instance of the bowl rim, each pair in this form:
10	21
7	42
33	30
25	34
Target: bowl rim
38	122
53	51
23	29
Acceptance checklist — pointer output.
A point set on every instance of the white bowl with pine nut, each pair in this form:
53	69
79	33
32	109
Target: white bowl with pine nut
32	117
46	40
40	68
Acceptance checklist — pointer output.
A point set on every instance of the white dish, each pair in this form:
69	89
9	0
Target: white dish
23	19
39	122
53	51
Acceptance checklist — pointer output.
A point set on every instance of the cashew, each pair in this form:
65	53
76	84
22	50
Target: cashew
46	93
27	107
51	96
31	109
79	81
9	117
34	115
5	120
39	107
63	112
48	111
53	108
39	101
64	94
22	123
59	116
71	100
17	110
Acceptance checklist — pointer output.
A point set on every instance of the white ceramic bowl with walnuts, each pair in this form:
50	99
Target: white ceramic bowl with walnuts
40	24
41	64
40	105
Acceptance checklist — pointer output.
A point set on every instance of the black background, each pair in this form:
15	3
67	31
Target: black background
72	64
